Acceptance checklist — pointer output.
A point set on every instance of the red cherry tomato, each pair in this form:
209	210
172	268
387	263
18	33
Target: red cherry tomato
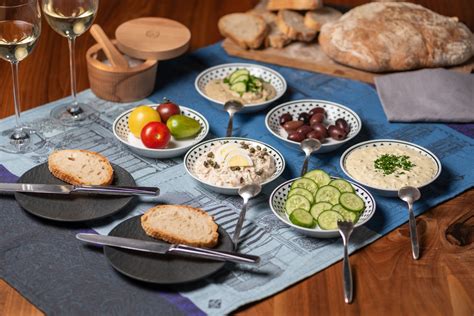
155	135
167	109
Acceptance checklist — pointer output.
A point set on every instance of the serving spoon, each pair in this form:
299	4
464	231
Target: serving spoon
309	146
410	195
232	107
246	193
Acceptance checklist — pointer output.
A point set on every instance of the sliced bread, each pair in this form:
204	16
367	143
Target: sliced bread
275	38
179	224
246	30
317	18
292	25
274	5
80	167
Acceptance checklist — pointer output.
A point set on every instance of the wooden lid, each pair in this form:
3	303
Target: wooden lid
153	38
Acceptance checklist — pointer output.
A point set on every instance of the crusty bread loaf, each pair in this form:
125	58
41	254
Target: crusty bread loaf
317	18
178	224
292	25
246	30
274	5
394	36
80	167
275	38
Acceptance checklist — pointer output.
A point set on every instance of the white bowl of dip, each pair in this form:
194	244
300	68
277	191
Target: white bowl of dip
224	180
206	86
358	163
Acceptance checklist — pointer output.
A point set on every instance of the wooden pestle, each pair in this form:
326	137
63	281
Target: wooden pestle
115	57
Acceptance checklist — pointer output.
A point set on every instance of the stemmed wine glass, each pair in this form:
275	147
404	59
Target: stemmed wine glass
20	28
71	18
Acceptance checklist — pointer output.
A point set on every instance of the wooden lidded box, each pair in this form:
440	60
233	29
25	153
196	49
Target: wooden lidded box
145	41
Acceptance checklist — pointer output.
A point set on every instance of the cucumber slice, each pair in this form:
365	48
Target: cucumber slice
239	87
329	194
320	207
348	215
241	78
302	192
307	184
328	219
352	202
238	73
302	218
318	176
297	201
342	185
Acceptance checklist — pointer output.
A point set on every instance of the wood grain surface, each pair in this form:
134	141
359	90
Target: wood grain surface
387	280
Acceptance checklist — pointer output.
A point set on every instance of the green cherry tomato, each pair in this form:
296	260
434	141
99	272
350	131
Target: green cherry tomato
182	126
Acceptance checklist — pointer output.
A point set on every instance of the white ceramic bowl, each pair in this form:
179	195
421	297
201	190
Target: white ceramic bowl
197	151
278	199
222	71
175	147
389	142
334	111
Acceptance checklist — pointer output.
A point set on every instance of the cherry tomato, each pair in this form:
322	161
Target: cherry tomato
167	109
155	135
140	117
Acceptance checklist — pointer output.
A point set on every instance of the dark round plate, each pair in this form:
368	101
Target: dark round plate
74	207
157	268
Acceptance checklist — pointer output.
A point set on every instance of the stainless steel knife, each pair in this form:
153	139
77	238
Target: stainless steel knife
156	247
68	189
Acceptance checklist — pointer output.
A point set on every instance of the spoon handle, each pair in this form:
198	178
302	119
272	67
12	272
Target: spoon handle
305	165
240	222
415	248
230	126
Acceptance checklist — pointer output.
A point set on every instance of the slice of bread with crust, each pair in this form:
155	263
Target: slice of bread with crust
274	5
275	38
80	167
178	224
246	30
317	18
291	24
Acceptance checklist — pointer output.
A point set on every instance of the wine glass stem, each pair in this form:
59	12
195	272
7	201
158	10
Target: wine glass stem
72	64
16	99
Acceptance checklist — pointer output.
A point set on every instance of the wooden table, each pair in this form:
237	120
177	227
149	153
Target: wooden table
387	280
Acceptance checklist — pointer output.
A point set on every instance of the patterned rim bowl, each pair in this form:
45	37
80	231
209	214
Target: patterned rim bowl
175	147
277	204
200	149
389	142
334	111
222	71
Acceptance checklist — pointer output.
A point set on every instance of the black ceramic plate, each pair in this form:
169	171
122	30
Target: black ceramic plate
158	268
71	208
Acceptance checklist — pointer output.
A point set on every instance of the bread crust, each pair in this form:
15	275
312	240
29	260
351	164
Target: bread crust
70	178
306	36
274	5
176	238
274	38
256	42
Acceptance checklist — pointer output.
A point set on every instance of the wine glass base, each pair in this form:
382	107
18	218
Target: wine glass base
23	140
83	115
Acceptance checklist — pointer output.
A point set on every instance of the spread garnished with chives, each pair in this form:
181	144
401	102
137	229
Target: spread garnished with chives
389	164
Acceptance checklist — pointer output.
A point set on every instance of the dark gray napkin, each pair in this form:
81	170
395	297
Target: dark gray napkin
428	95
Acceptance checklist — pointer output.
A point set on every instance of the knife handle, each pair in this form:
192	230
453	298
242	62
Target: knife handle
213	254
116	190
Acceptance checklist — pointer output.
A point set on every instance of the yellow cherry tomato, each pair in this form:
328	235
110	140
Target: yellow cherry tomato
141	116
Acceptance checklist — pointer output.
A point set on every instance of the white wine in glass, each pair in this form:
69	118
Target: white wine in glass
71	18
20	28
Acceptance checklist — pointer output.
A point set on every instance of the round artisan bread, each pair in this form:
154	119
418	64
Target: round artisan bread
393	36
178	224
80	167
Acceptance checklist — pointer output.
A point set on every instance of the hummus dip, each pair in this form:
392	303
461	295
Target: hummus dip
235	164
390	167
220	91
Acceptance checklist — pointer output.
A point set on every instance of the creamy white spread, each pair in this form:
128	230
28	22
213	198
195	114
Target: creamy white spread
218	90
360	165
212	167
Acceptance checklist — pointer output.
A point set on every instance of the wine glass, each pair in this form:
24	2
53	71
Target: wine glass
20	28
71	18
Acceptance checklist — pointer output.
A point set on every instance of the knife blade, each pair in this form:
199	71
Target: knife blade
68	189
161	248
